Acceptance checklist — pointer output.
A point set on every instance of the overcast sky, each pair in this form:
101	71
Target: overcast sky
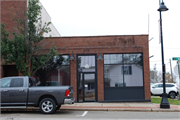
120	17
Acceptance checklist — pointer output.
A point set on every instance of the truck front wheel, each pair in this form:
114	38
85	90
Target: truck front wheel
47	106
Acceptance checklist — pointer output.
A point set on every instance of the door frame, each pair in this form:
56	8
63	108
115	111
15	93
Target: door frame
96	86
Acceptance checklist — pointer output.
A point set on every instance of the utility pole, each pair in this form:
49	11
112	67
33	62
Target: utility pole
171	70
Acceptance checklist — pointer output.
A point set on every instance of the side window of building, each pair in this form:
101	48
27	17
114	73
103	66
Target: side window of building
17	82
127	70
56	74
5	82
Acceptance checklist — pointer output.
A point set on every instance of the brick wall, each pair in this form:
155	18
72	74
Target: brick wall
73	77
100	80
10	8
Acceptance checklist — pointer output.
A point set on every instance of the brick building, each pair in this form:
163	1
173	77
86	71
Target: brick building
121	75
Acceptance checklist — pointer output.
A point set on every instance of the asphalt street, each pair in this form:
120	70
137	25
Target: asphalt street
88	115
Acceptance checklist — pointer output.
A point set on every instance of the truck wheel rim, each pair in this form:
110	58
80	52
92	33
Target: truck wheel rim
47	106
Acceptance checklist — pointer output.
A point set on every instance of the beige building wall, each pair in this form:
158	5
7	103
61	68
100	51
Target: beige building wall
46	18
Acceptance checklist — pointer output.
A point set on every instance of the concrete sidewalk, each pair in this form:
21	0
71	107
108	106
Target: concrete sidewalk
127	106
119	106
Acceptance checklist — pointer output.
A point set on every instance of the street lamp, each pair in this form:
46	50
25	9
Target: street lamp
72	56
151	56
164	101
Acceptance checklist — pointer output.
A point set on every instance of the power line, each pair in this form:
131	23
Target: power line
159	60
164	48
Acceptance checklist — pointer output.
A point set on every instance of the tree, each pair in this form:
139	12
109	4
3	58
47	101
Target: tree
168	78
23	47
160	77
44	73
154	75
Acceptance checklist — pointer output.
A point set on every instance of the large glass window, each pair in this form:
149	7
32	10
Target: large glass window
121	70
56	74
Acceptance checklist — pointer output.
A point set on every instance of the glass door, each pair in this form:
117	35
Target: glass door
86	78
89	87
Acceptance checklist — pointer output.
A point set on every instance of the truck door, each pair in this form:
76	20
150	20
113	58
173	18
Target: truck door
17	93
5	87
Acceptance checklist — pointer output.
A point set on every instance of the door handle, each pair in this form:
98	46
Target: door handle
6	90
21	90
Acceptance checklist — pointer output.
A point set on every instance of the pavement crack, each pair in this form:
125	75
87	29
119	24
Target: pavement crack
126	105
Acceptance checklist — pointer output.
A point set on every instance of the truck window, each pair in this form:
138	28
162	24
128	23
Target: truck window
5	82
17	82
30	82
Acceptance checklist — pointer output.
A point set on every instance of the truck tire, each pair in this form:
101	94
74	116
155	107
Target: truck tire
47	106
58	107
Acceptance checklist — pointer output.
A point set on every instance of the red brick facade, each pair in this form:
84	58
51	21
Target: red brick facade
88	45
10	8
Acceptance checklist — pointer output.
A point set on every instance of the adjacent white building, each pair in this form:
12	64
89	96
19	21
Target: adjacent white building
46	18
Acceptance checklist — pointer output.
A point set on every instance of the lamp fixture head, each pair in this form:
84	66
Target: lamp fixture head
100	57
162	7
72	56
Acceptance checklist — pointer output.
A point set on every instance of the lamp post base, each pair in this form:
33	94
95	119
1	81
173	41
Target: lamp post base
164	101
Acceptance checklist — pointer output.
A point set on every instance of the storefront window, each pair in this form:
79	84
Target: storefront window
56	74
123	70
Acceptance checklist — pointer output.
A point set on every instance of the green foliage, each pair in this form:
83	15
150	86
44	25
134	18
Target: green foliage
23	47
52	65
171	101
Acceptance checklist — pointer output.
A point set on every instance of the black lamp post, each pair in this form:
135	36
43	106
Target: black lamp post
164	101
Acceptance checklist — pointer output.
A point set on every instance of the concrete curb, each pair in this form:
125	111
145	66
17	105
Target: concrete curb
100	109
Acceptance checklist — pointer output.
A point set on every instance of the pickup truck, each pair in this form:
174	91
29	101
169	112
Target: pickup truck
20	92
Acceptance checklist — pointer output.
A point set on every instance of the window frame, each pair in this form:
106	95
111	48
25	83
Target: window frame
125	64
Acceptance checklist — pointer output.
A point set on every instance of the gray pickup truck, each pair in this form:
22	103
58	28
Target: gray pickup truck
20	92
